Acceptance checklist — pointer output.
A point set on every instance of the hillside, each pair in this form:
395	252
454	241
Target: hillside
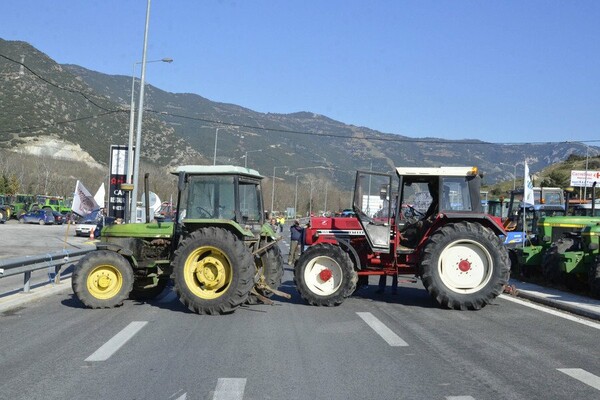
44	102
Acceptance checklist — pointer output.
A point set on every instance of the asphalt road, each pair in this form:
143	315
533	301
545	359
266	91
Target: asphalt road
370	347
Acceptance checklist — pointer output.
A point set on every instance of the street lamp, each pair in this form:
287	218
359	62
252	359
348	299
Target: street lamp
246	156
131	118
273	192
216	139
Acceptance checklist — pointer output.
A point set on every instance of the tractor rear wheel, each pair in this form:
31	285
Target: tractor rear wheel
102	279
464	266
325	275
271	274
213	271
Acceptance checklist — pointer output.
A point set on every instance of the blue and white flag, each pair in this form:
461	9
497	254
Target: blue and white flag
528	198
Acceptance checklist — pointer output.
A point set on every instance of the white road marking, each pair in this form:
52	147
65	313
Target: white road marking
460	398
182	397
117	341
552	311
583	376
379	327
230	389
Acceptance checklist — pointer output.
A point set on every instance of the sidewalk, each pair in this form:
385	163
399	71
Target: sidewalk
580	305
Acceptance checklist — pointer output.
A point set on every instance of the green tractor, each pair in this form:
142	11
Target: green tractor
54	203
550	240
219	251
20	204
5	210
575	259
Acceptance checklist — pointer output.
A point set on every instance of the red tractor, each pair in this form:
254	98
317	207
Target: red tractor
434	228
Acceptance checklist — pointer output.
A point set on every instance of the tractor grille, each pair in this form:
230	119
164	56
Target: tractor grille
558	231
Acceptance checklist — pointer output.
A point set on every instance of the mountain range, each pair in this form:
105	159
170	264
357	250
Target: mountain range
67	111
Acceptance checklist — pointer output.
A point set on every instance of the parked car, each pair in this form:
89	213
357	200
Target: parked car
92	222
42	217
59	218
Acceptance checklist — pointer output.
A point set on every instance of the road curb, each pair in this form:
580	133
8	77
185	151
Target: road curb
20	298
575	304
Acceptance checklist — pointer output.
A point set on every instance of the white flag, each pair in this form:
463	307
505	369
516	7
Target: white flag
528	188
99	196
83	202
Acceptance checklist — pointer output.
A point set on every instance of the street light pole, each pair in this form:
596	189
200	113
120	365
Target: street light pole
216	138
296	198
131	122
273	189
246	156
138	139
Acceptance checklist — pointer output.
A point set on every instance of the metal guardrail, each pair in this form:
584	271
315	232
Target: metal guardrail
25	265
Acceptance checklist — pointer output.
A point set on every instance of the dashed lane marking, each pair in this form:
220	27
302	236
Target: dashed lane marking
552	311
230	389
582	376
117	341
460	398
382	330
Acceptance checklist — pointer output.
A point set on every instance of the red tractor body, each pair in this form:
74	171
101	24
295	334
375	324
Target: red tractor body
433	227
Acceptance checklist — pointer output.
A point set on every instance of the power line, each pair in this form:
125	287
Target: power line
265	129
71	90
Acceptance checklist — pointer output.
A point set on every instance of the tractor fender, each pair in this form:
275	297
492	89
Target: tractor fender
347	247
484	219
126	253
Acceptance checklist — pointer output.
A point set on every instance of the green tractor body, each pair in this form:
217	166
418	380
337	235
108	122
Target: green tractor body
580	264
566	251
53	203
219	251
549	231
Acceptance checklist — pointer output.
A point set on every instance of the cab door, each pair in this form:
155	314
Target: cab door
372	206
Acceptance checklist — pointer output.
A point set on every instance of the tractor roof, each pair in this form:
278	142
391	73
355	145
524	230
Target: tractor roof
217	170
436	171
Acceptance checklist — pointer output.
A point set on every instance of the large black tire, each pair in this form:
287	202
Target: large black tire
551	260
102	279
213	271
270	267
464	266
515	267
325	275
594	278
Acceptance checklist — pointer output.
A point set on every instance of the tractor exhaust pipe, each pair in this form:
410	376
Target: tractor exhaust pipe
147	197
594	198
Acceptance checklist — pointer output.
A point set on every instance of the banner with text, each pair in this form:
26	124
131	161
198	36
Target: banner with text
581	179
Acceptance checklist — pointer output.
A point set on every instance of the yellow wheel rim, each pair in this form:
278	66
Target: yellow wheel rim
104	282
207	272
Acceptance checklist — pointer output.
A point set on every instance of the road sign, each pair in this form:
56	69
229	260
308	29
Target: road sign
579	178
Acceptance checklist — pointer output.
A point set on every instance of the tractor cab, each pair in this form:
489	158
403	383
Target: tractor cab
423	196
228	194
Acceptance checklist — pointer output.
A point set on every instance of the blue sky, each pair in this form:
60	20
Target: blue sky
500	71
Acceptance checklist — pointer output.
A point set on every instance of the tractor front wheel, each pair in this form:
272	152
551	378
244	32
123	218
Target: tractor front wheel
102	279
551	260
271	262
594	278
325	275
464	266
213	271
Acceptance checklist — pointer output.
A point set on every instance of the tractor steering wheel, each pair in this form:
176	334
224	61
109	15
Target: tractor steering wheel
203	212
